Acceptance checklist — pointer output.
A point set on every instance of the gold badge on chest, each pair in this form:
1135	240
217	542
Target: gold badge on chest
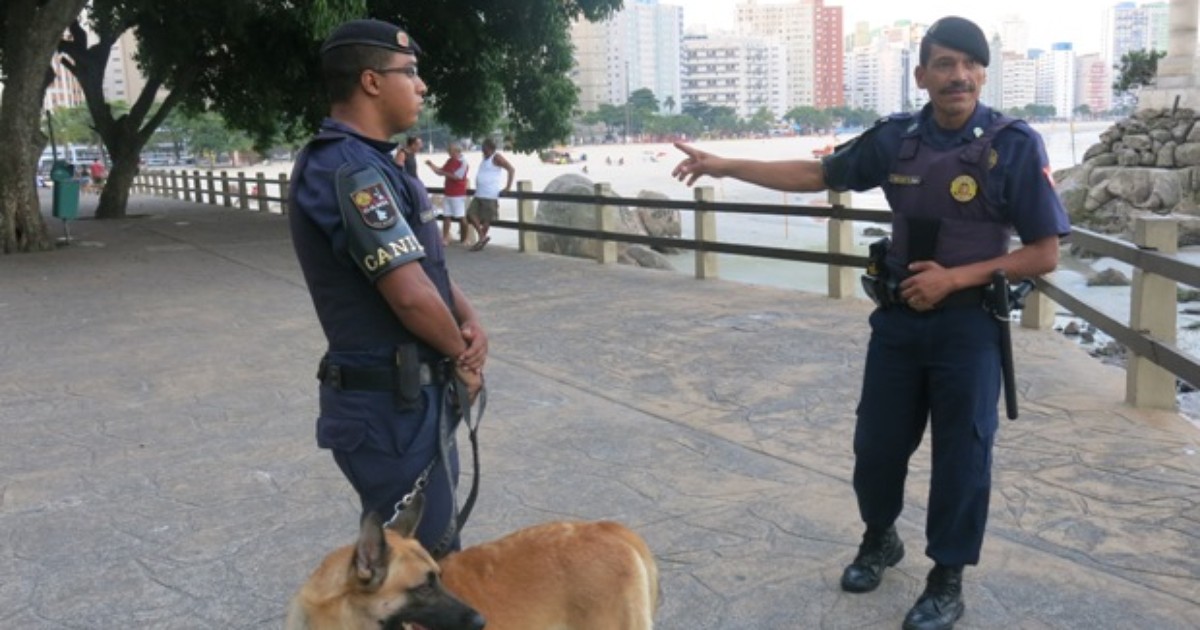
964	188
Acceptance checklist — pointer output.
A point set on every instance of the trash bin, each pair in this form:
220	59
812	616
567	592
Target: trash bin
66	191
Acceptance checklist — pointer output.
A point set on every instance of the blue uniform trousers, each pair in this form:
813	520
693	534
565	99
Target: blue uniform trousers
942	368
382	451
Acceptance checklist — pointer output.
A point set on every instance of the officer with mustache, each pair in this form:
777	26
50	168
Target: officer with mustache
960	178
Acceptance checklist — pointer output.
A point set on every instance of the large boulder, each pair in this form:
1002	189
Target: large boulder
660	222
1149	163
583	216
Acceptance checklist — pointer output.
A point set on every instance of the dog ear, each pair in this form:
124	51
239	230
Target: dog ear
409	518
371	552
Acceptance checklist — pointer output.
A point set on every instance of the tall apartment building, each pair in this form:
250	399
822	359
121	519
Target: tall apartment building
1062	56
1019	81
880	68
638	47
812	34
742	72
123	80
992	94
1093	83
64	90
1129	26
1014	35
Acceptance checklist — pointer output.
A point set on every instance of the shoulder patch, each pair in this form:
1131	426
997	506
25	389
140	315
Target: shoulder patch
375	207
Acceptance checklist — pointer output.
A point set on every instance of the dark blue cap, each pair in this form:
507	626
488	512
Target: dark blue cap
959	34
375	33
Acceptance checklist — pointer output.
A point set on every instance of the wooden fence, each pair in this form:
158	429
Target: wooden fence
1155	362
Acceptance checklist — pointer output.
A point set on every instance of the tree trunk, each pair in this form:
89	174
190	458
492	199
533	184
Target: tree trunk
21	223
32	28
114	199
124	136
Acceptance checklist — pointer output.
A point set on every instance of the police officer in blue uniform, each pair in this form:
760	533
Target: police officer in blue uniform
959	177
406	349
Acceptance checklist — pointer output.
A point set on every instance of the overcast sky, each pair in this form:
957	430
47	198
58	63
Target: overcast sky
1050	21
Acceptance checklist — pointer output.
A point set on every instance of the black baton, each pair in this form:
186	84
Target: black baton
1001	311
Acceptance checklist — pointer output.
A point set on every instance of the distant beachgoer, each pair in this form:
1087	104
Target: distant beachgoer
98	173
454	204
406	156
485	207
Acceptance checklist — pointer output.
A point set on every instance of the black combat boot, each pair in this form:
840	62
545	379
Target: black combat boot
880	549
941	604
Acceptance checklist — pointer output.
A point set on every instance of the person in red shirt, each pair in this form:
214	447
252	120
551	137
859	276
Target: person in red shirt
98	173
454	206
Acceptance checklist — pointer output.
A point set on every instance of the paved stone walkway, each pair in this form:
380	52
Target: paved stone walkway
158	466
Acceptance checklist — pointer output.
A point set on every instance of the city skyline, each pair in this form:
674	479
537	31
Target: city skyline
1076	21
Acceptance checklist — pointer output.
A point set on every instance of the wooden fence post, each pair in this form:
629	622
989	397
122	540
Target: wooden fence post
225	199
706	230
606	220
211	185
840	240
283	193
261	187
243	192
1152	311
527	240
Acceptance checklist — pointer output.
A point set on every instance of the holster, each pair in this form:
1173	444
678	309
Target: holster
408	377
875	282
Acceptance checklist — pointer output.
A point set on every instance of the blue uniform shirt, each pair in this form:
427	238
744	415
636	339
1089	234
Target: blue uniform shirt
1019	185
353	313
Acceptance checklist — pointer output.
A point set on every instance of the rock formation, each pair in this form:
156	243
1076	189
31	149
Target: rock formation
657	222
1146	164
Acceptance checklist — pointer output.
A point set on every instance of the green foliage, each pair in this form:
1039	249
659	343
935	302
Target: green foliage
643	100
810	119
608	114
72	125
761	122
1137	69
486	61
673	125
1033	111
208	136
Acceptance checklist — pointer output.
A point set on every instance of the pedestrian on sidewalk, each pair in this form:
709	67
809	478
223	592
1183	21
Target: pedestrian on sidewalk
454	201
485	206
402	337
959	177
406	156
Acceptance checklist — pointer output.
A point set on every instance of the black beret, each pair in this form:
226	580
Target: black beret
371	33
960	34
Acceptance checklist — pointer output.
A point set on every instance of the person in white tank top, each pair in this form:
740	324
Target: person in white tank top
486	204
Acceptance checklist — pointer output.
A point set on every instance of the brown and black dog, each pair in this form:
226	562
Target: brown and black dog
561	575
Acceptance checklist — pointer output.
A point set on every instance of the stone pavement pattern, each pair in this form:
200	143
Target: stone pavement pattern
158	467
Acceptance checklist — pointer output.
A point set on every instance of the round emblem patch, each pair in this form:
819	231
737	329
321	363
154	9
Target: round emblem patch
993	157
963	188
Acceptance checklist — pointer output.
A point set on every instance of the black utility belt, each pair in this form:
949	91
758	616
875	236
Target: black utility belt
379	379
973	296
886	294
